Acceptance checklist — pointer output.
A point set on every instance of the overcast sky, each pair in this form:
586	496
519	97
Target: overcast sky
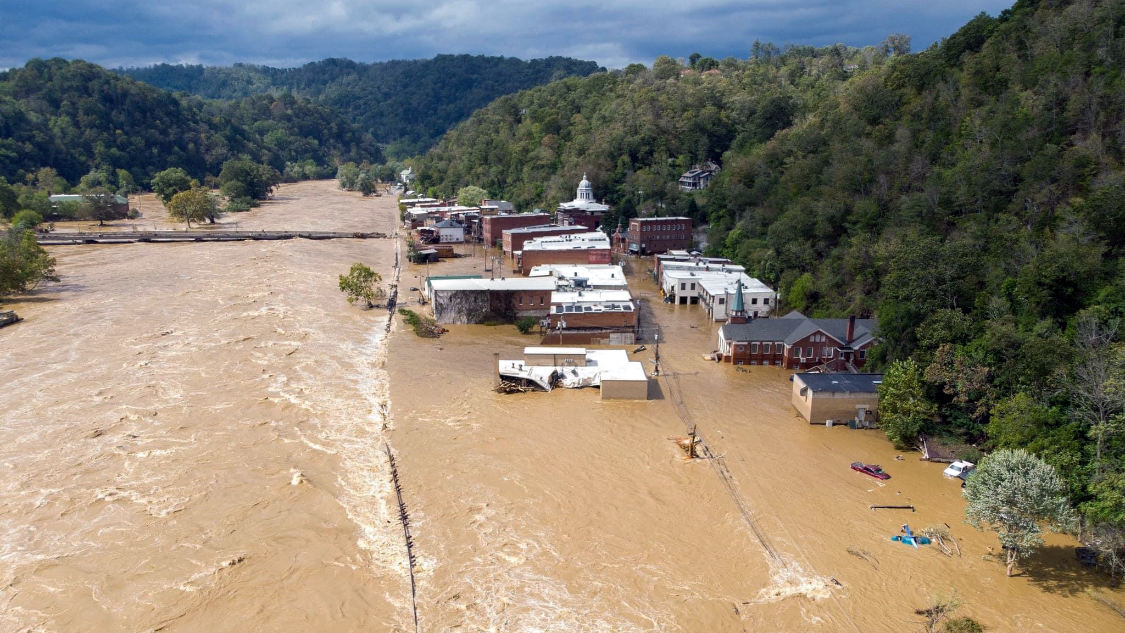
610	32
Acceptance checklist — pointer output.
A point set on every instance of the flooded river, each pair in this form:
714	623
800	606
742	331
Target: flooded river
192	439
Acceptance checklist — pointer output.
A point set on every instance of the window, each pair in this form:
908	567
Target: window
693	286
863	354
753	348
766	348
808	352
765	302
754	301
521	300
722	300
540	300
740	347
831	352
683	286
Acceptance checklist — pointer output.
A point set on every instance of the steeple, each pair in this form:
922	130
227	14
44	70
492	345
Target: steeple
737	307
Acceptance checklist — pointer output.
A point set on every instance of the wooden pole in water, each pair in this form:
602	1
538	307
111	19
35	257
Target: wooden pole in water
874	508
496	364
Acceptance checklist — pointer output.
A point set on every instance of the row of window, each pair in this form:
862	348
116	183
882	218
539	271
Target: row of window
753	300
652	228
767	348
519	300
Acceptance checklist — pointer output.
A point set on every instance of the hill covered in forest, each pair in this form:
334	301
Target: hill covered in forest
969	196
407	104
77	118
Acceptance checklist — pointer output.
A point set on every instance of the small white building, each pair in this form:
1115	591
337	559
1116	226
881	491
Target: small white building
449	232
611	370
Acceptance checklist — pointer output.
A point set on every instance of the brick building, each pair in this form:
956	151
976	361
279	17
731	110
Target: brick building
795	341
659	235
493	226
514	239
577	248
472	300
583	210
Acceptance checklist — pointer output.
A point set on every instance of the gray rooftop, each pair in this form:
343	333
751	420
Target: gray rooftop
795	326
842	383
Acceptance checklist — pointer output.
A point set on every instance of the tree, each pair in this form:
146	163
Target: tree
471	196
27	219
904	411
97	204
898	43
347	175
361	283
194	205
1096	386
23	263
693	58
665	67
9	201
245	179
1012	493
168	183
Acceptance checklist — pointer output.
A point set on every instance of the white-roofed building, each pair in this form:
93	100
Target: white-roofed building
578	248
618	377
593	276
473	300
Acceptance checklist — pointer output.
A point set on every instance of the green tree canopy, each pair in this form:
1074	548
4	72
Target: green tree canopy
243	179
23	263
9	200
471	196
166	184
904	411
362	284
194	205
1014	493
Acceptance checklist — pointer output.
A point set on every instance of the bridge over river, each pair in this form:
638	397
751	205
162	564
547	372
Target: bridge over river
130	237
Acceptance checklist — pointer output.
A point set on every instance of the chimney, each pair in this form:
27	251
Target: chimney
850	336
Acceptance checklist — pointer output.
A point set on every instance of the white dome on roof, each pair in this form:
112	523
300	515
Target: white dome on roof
585	190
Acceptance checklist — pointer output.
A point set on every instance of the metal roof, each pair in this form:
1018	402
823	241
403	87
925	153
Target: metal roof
841	383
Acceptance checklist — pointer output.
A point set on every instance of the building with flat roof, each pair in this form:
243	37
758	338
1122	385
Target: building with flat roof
717	294
473	300
514	239
493	226
592	276
576	248
841	398
659	235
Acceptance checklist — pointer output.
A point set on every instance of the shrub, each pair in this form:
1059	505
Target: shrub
525	324
27	219
963	625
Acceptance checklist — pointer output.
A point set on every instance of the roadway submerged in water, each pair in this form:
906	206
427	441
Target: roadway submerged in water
192	438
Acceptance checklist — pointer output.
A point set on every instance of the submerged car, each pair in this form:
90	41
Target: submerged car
873	470
959	468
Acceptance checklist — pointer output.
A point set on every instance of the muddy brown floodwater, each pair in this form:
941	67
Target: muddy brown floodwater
192	439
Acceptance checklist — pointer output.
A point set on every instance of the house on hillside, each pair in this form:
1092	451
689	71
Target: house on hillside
698	177
795	341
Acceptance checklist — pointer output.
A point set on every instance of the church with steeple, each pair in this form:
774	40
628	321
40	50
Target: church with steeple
583	210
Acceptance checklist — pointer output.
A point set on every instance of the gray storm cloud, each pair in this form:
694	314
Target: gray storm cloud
611	32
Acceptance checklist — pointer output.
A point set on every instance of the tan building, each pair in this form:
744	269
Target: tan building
837	397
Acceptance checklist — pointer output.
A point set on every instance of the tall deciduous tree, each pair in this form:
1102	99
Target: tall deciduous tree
23	263
1014	493
244	179
194	205
97	203
362	284
904	411
168	183
471	196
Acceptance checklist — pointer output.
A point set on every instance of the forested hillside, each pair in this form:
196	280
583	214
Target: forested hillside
970	196
77	117
406	104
